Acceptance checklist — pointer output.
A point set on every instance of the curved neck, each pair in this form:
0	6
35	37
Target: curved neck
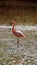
13	26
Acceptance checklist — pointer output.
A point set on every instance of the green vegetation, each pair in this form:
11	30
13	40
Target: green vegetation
26	16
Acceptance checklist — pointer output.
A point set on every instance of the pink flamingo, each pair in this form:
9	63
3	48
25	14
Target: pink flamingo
17	33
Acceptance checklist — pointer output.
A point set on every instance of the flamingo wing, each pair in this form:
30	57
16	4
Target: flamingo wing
18	33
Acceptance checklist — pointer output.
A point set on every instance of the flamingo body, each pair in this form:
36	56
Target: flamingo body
17	33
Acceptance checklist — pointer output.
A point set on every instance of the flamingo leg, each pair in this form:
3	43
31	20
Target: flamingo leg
17	42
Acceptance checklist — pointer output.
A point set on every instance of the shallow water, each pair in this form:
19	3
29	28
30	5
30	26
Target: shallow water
25	54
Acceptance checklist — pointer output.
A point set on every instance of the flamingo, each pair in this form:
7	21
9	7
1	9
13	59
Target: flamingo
17	33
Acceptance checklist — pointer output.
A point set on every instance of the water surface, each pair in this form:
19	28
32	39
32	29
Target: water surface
26	54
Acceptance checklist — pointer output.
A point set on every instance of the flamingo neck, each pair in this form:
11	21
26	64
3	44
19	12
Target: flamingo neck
13	27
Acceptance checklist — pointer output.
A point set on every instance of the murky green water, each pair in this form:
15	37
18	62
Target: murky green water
26	54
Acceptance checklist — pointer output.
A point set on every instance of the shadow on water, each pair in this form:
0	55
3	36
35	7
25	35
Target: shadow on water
26	54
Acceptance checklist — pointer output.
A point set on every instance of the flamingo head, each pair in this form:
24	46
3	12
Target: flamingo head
14	23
